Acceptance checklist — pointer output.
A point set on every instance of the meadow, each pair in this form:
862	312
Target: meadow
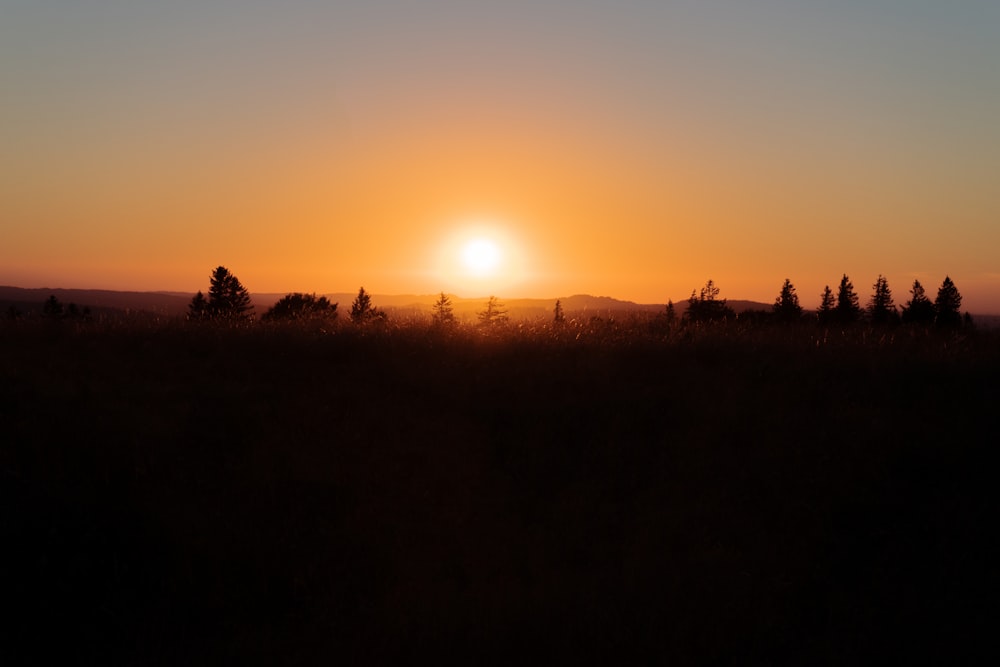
607	491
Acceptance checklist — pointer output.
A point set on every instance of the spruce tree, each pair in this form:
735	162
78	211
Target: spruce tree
948	305
786	306
493	314
362	309
442	311
881	308
827	304
847	309
198	308
919	309
298	306
558	316
228	299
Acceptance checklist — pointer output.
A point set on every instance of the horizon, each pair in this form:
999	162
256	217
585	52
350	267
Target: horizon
635	149
806	305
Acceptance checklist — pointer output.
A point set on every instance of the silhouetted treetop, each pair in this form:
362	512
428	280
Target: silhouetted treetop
299	306
847	309
493	314
362	309
442	312
706	306
919	309
786	306
948	304
228	299
881	308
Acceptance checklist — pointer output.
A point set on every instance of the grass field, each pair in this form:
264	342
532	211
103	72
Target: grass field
607	492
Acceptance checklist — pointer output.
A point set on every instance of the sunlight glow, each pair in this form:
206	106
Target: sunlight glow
481	256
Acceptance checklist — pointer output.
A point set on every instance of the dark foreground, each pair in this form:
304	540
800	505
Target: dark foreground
175	495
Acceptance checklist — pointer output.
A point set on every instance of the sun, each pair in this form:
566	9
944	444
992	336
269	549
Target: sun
481	256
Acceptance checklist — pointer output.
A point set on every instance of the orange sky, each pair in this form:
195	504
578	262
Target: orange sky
616	149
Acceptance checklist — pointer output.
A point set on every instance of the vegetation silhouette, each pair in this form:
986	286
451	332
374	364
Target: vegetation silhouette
786	306
363	311
299	306
442	312
881	309
918	309
847	309
947	305
707	307
494	314
228	300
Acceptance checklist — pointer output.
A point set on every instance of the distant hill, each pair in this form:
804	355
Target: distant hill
174	304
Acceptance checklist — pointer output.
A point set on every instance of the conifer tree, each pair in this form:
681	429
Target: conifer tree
442	313
671	312
847	309
227	297
493	314
362	309
198	308
707	306
826	310
786	306
52	308
948	304
558	317
881	308
919	309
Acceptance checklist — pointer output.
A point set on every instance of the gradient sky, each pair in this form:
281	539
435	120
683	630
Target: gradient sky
631	148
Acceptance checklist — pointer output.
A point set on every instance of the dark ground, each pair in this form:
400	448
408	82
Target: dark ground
181	495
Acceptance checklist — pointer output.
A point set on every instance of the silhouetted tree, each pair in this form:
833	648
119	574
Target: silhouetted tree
13	313
948	305
52	308
299	306
881	308
786	306
442	313
493	314
228	299
558	317
707	307
198	308
362	309
826	310
671	312
919	309
847	309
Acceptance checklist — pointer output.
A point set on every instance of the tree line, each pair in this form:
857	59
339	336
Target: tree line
228	299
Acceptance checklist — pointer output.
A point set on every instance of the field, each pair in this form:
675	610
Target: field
607	492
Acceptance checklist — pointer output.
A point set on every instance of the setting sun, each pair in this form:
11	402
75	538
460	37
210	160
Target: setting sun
481	256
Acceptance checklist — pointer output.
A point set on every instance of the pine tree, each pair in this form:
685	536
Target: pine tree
707	306
362	309
948	305
443	313
919	309
847	309
786	306
198	308
826	310
559	317
493	314
671	312
227	298
881	308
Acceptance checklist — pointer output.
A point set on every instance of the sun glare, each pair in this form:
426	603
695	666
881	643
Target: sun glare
481	256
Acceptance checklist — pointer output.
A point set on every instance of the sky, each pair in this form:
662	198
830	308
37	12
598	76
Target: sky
628	148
